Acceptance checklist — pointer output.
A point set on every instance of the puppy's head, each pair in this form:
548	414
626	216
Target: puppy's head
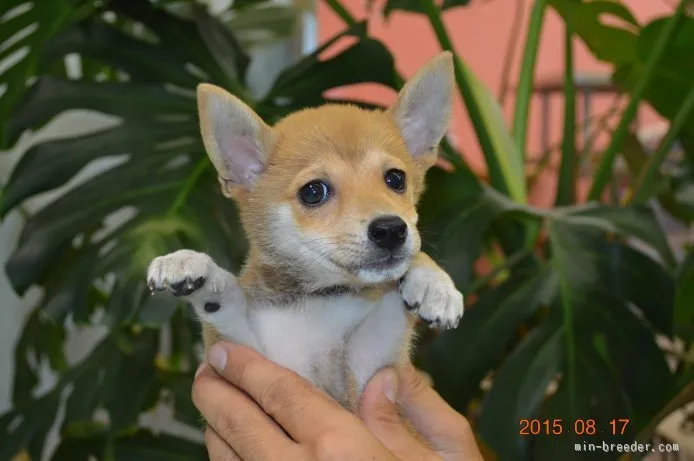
331	191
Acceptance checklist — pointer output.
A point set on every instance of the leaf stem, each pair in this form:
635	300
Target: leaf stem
507	265
602	175
182	196
466	90
452	155
644	182
526	79
566	188
341	11
567	311
510	54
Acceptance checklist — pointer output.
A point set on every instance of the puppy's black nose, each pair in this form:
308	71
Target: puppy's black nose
388	232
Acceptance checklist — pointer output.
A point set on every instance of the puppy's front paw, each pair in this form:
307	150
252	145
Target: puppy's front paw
182	273
430	293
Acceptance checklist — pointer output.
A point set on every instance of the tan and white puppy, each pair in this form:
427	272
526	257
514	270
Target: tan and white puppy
334	278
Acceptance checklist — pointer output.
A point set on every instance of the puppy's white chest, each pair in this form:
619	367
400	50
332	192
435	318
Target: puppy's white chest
294	336
325	338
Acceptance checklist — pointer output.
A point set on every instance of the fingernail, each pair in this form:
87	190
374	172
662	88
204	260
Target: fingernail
199	370
390	386
217	357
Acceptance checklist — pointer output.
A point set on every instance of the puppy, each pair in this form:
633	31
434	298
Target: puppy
335	278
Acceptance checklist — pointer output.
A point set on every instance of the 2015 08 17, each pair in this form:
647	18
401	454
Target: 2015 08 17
617	426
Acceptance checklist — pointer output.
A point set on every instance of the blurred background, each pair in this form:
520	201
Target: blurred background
562	207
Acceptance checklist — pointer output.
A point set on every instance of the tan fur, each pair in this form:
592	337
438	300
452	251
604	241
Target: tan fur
349	145
262	168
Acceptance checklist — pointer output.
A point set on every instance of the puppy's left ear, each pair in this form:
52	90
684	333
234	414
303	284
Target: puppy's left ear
237	141
424	106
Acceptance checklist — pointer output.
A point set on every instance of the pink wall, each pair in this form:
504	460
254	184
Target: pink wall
480	33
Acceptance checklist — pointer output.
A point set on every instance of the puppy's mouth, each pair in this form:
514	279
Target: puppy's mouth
375	265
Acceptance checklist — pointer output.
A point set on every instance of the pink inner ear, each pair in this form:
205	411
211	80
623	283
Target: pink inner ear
242	159
416	134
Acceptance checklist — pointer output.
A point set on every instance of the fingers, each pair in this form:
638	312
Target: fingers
446	430
380	414
238	420
217	449
302	410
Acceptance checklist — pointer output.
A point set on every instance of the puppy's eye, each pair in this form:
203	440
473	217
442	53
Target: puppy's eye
395	179
314	192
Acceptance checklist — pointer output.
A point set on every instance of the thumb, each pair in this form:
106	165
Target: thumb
379	413
446	431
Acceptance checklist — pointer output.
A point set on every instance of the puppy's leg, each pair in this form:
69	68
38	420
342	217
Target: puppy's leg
382	339
431	294
213	292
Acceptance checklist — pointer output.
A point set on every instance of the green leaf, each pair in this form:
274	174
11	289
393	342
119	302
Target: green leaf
635	278
684	299
501	154
673	78
679	50
566	186
51	164
224	46
85	207
607	42
118	376
636	159
526	80
26	28
41	341
138	103
142	445
303	85
455	215
646	383
68	291
413	6
264	24
638	92
518	389
27	426
634	221
594	302
483	335
182	37
587	345
179	385
645	182
144	62
599	402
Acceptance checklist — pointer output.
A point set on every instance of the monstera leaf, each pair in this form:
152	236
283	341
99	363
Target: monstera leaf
591	306
674	76
88	248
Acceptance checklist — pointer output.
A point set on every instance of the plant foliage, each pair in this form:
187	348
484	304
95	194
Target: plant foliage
564	326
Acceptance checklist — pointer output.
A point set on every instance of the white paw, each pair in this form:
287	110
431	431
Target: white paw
431	294
182	273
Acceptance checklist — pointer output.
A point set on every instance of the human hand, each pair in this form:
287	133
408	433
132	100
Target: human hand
269	413
445	431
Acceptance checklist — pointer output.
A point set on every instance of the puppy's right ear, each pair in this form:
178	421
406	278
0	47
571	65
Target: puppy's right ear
235	138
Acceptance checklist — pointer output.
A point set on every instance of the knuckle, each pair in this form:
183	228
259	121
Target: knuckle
217	450
329	446
227	423
386	418
278	394
417	384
